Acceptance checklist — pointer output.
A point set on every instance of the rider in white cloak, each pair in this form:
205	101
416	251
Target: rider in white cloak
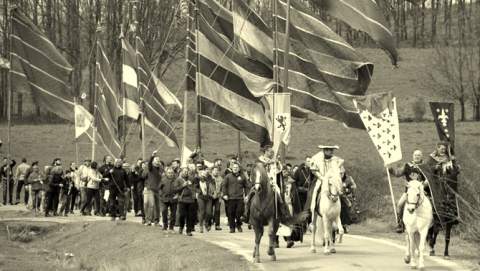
324	164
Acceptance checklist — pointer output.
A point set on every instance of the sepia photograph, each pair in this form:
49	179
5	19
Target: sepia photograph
263	135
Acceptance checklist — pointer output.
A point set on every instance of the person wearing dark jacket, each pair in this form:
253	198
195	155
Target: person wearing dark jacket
35	180
117	186
168	198
137	181
303	177
66	190
206	190
104	170
151	192
235	187
6	173
55	184
185	186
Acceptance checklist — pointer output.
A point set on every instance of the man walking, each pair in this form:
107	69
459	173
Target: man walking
21	175
151	192
117	186
168	198
235	188
217	195
137	181
6	176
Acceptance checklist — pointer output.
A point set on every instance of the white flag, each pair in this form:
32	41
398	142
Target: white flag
379	115
186	152
280	120
83	120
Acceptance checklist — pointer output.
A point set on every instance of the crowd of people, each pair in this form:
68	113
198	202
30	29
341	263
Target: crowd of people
162	194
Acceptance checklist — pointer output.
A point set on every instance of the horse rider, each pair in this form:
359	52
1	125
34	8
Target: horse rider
323	164
265	162
347	198
406	171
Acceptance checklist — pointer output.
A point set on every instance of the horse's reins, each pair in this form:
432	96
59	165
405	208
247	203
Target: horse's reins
418	203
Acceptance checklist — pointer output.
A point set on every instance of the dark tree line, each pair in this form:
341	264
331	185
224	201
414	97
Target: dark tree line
74	26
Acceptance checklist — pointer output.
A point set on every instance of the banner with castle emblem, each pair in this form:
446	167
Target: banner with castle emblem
443	115
278	117
378	113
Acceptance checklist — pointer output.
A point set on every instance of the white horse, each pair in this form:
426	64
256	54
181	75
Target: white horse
329	208
417	217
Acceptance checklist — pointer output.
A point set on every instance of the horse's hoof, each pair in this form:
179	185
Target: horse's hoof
326	253
406	259
413	267
313	250
333	250
446	257
273	258
256	260
432	252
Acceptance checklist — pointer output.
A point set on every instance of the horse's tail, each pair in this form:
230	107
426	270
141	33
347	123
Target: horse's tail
295	219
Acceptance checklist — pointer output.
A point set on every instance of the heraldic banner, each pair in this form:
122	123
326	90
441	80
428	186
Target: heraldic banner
379	115
278	118
443	114
83	120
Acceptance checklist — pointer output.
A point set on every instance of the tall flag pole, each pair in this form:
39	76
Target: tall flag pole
197	86
379	114
9	107
185	12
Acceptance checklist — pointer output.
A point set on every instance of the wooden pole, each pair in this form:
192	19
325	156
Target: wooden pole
197	116
285	69
391	194
75	121
275	90
185	95
9	110
239	146
94	125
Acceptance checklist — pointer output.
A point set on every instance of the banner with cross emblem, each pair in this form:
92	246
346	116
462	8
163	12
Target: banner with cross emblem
278	118
378	113
443	115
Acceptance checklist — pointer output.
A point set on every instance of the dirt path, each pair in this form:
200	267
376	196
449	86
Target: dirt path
355	253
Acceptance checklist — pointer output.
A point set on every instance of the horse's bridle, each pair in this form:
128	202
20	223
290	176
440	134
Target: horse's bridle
331	196
418	203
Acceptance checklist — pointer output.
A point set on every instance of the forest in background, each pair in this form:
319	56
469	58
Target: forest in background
450	28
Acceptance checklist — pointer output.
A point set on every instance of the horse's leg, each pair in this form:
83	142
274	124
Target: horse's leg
272	233
340	230
448	231
411	240
433	238
408	256
421	248
314	232
258	237
327	234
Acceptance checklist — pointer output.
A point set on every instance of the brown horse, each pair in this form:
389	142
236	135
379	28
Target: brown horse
263	212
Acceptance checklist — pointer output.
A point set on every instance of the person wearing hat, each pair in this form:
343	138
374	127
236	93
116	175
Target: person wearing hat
322	164
405	171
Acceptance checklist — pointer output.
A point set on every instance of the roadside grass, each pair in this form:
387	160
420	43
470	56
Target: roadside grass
110	246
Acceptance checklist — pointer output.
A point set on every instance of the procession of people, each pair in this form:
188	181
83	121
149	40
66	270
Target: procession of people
189	197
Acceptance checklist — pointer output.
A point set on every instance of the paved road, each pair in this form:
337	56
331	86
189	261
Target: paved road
355	253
